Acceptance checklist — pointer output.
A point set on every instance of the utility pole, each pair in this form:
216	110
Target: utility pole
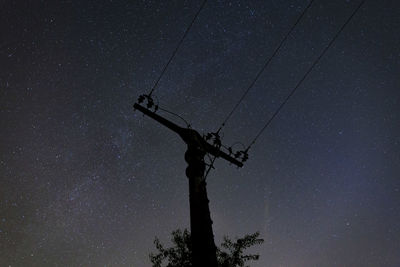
203	246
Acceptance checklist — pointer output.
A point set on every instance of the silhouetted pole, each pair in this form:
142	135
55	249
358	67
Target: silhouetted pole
203	246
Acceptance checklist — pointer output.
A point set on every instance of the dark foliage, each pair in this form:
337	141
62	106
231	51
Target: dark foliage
230	253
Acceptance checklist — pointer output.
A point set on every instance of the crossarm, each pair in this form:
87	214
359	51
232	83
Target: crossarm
218	153
170	125
189	135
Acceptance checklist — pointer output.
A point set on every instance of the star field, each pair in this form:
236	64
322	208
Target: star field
86	181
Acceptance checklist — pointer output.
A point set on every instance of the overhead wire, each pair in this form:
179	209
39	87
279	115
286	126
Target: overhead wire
265	66
177	48
176	115
305	75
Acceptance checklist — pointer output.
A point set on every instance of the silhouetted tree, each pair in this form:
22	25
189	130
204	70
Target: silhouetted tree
231	253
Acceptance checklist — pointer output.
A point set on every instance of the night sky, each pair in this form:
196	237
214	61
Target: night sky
86	181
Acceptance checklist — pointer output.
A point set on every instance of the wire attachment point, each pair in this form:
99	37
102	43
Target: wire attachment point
215	138
150	102
242	155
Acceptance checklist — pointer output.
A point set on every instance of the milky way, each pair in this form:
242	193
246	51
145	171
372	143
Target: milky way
86	181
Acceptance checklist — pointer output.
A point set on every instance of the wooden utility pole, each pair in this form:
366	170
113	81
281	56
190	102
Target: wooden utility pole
203	246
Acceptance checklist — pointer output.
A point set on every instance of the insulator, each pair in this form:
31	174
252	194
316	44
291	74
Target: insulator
150	103
141	99
217	142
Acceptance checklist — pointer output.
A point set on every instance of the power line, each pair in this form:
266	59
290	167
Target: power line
176	115
265	65
305	75
177	47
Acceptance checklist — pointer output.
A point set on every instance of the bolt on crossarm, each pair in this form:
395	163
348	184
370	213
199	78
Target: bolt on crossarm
203	246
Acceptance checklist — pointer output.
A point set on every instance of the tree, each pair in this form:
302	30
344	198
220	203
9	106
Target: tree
231	253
